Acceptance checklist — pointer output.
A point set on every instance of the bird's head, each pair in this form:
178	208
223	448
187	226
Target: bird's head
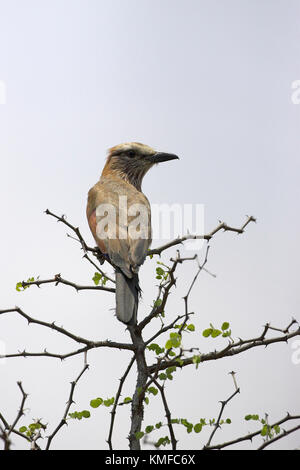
131	161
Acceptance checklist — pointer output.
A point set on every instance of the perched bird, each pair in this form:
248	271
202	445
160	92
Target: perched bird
119	216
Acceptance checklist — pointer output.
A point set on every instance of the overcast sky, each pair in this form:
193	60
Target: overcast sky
208	80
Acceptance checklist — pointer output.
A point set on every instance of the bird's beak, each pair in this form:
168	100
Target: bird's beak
163	157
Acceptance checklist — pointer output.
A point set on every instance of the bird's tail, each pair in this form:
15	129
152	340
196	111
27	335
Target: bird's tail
127	297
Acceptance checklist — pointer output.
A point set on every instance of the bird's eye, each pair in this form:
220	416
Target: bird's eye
131	153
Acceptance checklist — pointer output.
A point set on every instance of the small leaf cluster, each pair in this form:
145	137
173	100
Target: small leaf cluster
162	441
167	375
214	332
99	278
150	391
162	271
267	430
31	430
197	428
20	285
80	414
96	402
187	327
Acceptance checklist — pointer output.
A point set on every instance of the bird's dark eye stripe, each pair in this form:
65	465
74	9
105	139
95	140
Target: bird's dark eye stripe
130	152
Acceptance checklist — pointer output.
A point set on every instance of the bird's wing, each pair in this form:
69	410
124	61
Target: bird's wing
123	247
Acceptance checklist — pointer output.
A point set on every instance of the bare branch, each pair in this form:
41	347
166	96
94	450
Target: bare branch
76	230
69	403
250	436
209	236
217	423
52	325
168	414
280	436
231	349
113	412
98	268
57	279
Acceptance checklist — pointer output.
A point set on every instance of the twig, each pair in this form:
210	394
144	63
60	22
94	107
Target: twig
231	349
76	230
209	236
57	279
217	424
250	436
86	256
52	325
69	403
168	414
280	436
113	412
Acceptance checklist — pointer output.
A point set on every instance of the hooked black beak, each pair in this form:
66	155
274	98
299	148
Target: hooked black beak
163	157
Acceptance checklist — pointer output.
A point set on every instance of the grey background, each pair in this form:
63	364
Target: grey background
208	80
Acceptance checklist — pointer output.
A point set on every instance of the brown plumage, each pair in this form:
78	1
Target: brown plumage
119	193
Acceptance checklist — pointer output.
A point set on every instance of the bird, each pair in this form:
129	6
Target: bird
119	217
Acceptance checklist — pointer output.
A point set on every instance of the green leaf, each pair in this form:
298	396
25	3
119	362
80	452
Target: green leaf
109	401
152	390
170	370
20	287
197	360
23	429
76	415
127	400
254	417
228	421
96	402
155	347
198	427
162	376
162	441
191	327
277	429
158	425
215	333
206	333
149	429
160	271
86	414
174	341
158	303
225	326
226	334
97	277
264	430
139	435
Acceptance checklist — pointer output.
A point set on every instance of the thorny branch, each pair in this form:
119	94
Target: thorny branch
57	279
223	405
139	345
118	394
70	401
7	429
250	436
208	236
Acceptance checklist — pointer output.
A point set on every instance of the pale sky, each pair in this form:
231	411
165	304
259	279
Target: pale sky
208	80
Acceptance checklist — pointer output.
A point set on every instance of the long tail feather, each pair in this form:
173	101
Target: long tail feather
127	297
